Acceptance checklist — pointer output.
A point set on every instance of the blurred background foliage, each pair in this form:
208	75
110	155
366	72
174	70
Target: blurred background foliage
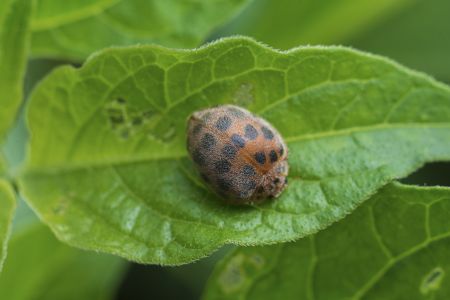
413	32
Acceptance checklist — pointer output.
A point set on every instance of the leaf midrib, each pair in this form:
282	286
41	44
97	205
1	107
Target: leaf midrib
380	126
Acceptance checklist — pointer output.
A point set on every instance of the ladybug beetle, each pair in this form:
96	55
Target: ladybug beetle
239	155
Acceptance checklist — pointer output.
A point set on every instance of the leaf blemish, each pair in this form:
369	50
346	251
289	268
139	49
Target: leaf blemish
123	120
244	94
136	121
121	101
60	207
115	115
148	114
169	134
432	281
257	260
125	134
233	277
126	121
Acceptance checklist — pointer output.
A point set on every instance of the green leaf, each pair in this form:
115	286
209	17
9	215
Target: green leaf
420	44
287	23
52	270
14	38
395	246
75	29
2	164
108	167
14	42
7	207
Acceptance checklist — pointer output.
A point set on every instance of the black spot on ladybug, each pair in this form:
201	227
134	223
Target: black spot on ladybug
249	185
260	157
229	151
250	132
198	157
197	128
248	170
222	166
273	156
276	180
268	134
238	140
208	141
223	184
223	123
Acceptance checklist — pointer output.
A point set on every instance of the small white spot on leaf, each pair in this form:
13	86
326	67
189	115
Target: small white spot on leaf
432	281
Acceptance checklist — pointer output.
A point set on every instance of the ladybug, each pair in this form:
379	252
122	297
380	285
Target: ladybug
240	156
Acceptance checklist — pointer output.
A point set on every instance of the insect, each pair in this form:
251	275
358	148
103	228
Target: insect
239	155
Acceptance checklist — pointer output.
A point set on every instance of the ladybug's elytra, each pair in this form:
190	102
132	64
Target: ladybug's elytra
240	156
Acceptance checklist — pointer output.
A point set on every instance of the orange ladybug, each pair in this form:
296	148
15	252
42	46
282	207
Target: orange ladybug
239	155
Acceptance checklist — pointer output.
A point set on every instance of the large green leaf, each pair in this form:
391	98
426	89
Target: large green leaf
74	29
40	267
7	207
395	246
14	42
108	167
288	23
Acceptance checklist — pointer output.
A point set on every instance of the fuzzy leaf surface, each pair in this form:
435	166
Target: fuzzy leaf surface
108	168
